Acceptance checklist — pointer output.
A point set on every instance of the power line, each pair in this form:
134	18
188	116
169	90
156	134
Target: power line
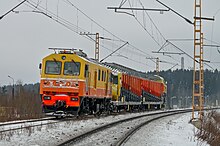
114	52
145	29
68	1
131	46
152	21
69	25
144	26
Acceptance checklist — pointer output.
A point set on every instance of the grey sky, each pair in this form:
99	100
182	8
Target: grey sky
26	36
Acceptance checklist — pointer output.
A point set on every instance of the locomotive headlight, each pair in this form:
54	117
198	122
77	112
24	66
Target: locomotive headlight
74	99
63	57
47	98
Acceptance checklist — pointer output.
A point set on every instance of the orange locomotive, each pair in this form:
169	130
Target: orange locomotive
72	83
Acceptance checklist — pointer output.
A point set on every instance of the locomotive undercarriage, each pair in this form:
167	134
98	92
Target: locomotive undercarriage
128	101
94	106
60	111
88	106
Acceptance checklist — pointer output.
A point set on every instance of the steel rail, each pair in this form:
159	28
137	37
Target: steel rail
41	124
80	137
26	127
109	125
33	124
128	135
25	121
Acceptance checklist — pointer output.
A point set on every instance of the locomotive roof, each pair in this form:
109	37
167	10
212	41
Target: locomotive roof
121	68
113	66
125	69
77	52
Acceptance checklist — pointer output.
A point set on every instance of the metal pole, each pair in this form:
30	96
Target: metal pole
198	77
97	47
157	65
13	87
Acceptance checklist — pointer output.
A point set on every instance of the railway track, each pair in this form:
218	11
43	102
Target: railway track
135	121
25	124
25	121
18	125
131	132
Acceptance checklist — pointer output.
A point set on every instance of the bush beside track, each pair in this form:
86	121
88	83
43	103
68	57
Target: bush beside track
26	104
209	130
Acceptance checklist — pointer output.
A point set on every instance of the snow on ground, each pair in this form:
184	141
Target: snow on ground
170	131
173	131
54	134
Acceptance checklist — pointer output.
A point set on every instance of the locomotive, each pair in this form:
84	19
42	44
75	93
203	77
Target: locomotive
72	83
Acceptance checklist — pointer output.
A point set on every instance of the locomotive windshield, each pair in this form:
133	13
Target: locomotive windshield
72	68
53	67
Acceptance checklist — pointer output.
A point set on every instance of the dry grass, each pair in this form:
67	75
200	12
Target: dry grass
25	105
210	129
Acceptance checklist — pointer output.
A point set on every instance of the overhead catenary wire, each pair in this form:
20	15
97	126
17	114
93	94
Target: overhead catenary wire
178	48
65	23
11	10
212	32
70	26
62	21
145	29
157	29
132	46
114	52
152	22
189	21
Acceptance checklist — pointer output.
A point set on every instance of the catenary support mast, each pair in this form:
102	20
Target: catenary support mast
198	72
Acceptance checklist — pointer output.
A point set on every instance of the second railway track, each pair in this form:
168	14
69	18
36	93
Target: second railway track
115	133
131	132
18	125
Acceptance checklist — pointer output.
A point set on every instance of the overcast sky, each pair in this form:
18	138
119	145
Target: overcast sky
26	36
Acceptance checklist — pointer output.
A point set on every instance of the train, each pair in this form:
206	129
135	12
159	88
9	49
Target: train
73	84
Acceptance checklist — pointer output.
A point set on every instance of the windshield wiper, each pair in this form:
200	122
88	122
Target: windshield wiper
75	63
56	62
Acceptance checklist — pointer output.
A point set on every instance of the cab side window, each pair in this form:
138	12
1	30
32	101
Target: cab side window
102	75
99	75
86	71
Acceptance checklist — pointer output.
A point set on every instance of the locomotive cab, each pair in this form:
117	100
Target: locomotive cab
61	79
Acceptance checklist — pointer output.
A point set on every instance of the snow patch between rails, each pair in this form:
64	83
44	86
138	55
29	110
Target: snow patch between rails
169	131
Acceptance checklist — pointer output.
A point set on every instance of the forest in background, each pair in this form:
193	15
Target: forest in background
179	87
